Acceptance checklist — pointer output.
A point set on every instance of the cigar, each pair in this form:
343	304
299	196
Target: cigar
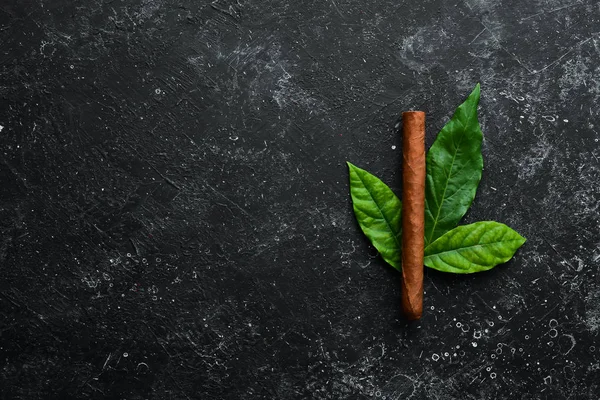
413	212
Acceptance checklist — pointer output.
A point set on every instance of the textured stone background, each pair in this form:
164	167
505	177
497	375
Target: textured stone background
174	212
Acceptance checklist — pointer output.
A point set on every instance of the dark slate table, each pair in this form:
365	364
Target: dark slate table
174	211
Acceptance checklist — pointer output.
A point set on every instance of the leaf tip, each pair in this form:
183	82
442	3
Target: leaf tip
522	238
476	91
351	167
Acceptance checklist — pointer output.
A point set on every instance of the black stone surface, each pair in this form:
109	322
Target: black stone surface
174	212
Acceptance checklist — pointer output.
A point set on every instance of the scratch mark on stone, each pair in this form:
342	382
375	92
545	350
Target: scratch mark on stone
553	63
487	305
508	52
548	313
498	41
233	203
226	12
557	252
552	11
479	34
337	9
107	360
168	180
135	246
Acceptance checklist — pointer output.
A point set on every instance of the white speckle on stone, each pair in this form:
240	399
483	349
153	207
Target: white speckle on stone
565	120
1	127
534	160
592	311
393	147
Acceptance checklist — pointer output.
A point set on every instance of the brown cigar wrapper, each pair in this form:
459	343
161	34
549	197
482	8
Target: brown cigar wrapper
413	212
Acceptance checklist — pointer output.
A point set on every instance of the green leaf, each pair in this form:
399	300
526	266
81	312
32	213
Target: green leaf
377	211
454	165
473	248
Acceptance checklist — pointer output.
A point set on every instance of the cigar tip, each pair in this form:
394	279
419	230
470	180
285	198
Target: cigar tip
413	317
412	307
413	112
413	116
412	312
